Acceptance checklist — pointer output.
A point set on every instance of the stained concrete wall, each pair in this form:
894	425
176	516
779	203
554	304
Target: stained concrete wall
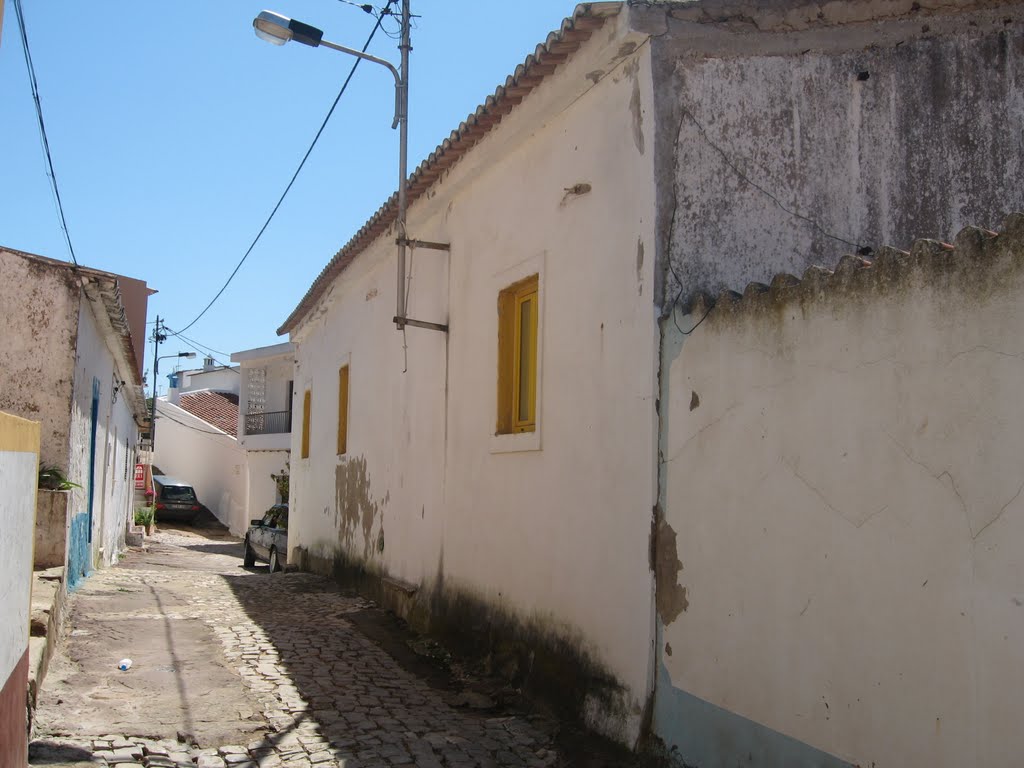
211	461
541	538
789	134
19	460
838	565
51	529
39	305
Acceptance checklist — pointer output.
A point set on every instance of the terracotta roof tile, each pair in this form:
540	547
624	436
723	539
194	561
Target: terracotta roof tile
217	408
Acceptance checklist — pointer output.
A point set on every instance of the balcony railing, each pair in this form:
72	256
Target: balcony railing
268	423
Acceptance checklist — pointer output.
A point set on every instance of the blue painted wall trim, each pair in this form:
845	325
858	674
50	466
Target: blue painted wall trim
94	423
79	559
699	734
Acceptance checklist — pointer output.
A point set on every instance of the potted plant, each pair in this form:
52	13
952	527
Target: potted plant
146	517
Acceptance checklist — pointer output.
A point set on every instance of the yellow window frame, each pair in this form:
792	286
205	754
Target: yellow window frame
517	356
307	403
343	410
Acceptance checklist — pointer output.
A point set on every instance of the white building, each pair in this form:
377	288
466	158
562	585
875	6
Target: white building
503	476
265	420
196	440
225	430
71	343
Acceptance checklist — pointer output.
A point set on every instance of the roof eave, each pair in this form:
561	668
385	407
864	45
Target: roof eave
538	66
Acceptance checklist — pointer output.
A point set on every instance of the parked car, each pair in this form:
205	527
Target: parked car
175	500
267	539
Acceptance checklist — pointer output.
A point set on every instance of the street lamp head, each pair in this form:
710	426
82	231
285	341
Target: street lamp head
189	355
278	29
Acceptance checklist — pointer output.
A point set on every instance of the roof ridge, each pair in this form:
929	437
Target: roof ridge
889	270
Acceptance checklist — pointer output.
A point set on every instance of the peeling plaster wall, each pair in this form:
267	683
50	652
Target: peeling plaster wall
112	487
38	332
842	477
789	134
546	534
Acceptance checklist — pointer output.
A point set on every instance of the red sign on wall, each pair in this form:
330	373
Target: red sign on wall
140	477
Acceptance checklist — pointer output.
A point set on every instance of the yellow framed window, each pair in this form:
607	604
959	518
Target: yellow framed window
342	410
517	357
307	399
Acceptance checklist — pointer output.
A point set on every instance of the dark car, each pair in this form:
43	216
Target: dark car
175	500
267	539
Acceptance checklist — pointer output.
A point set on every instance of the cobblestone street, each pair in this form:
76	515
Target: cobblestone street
238	667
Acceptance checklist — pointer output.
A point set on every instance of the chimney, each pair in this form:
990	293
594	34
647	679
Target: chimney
208	364
173	389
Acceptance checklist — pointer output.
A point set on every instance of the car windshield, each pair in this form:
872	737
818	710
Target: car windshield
276	517
178	493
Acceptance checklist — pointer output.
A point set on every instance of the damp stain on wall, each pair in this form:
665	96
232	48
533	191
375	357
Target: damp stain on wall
356	511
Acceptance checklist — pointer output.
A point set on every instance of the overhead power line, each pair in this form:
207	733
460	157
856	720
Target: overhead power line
34	84
205	351
380	19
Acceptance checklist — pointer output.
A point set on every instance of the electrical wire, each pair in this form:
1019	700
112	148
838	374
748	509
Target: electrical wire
287	189
34	84
189	343
193	341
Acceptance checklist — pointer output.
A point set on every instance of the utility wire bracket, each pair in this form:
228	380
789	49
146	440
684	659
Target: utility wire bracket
423	244
403	321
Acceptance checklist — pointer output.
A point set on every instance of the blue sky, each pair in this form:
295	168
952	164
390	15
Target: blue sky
173	131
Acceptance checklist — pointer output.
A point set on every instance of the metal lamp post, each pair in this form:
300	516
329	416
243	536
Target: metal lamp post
278	30
152	413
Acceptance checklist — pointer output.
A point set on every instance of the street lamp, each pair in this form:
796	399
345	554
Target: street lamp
152	412
278	30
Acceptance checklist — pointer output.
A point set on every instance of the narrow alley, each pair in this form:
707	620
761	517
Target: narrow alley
240	667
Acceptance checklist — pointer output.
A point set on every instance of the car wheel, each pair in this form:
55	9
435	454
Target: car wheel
249	560
275	566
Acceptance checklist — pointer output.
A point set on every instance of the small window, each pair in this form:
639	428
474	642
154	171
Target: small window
343	410
306	404
517	357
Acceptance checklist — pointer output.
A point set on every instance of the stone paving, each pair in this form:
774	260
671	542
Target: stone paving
330	696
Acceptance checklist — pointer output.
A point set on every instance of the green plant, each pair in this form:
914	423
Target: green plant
145	515
52	478
281	481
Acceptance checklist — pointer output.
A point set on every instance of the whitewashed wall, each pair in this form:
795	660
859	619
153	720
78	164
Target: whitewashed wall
550	529
262	490
843	487
210	460
219	380
116	440
19	459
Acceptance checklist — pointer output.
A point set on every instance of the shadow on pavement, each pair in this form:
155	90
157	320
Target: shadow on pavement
378	691
52	753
